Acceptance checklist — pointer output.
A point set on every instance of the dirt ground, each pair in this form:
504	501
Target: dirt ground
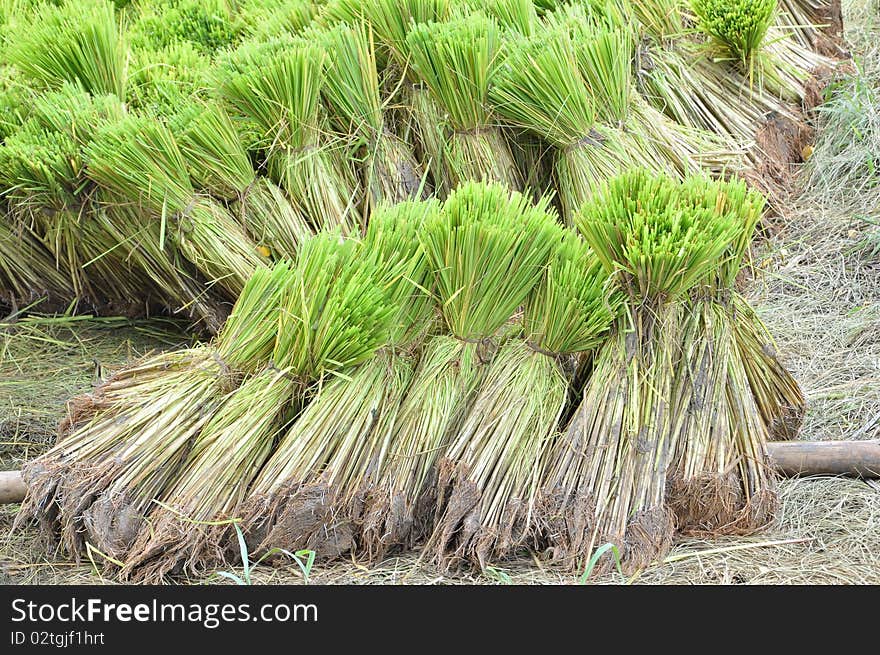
817	286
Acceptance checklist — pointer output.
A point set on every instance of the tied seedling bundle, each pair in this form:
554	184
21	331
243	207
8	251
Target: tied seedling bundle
455	59
165	79
734	395
43	170
219	164
78	41
486	249
391	172
605	43
209	25
423	120
608	472
331	455
497	451
124	444
137	161
538	86
276	85
333	315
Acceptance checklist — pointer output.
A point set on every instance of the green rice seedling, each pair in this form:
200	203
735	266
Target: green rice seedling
129	439
335	452
391	21
164	79
215	157
739	27
391	172
137	162
488	248
209	25
719	481
455	60
538	86
219	164
610	467
77	41
277	86
520	16
333	315
493	489
267	19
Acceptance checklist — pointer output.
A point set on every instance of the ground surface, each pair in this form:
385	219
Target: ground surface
817	286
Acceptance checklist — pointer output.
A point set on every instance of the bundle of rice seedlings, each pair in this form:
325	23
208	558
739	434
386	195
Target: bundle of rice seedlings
391	172
607	474
738	27
719	480
209	25
162	80
520	16
138	162
333	316
77	41
219	164
13	99
538	86
277	85
43	169
455	59
131	437
497	451
267	19
392	21
334	452
487	249
27	269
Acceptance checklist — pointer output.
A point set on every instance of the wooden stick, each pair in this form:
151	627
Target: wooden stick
12	487
859	459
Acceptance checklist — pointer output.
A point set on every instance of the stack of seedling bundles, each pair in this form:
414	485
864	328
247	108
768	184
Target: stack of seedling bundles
123	444
333	314
487	249
313	491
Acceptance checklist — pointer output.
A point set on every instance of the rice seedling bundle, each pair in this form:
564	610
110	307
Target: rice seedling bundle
738	27
209	25
538	86
164	79
391	172
608	472
488	248
219	164
719	480
137	161
514	416
455	60
129	440
334	453
277	85
78	41
391	21
333	315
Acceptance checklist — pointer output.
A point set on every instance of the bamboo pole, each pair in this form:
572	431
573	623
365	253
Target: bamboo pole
859	459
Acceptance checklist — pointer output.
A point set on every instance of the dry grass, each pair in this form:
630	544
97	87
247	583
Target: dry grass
816	289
